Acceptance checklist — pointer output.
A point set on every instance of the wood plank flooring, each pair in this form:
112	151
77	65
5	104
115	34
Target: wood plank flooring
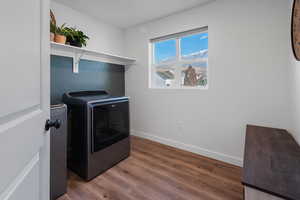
158	172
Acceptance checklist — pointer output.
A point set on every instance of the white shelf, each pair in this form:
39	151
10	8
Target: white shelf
82	53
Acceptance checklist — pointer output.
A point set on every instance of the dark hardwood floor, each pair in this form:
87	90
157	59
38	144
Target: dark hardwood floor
159	172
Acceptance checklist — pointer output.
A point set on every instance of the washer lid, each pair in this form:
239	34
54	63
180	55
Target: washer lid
90	97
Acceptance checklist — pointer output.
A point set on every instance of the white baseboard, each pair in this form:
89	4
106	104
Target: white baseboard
191	148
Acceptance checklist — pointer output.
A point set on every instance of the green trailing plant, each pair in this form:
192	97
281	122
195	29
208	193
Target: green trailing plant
76	37
62	30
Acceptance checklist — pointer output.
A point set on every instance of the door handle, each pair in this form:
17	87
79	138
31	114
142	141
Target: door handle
52	123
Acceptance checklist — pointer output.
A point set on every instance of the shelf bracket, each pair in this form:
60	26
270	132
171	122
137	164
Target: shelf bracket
76	60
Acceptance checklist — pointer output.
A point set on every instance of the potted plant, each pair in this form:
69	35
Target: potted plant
76	37
60	34
52	31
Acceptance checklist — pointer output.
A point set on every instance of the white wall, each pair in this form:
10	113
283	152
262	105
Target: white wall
103	37
248	58
295	91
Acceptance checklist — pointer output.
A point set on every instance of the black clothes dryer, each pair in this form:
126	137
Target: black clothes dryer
99	131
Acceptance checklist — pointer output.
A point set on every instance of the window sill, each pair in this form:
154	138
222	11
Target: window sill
183	88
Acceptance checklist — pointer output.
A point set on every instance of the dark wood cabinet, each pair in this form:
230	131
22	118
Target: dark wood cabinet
271	164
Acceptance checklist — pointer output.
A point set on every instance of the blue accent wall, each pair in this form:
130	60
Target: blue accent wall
92	76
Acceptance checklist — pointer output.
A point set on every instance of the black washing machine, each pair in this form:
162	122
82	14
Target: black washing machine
58	152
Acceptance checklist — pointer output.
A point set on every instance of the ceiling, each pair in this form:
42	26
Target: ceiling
126	13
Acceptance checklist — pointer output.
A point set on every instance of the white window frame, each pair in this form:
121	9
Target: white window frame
178	62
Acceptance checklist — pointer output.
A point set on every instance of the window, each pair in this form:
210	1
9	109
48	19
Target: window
180	60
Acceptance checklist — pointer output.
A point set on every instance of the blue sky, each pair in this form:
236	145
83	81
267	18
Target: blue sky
190	44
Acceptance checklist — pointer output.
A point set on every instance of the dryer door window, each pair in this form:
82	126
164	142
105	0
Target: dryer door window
110	124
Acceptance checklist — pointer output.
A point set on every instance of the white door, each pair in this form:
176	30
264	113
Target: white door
24	98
